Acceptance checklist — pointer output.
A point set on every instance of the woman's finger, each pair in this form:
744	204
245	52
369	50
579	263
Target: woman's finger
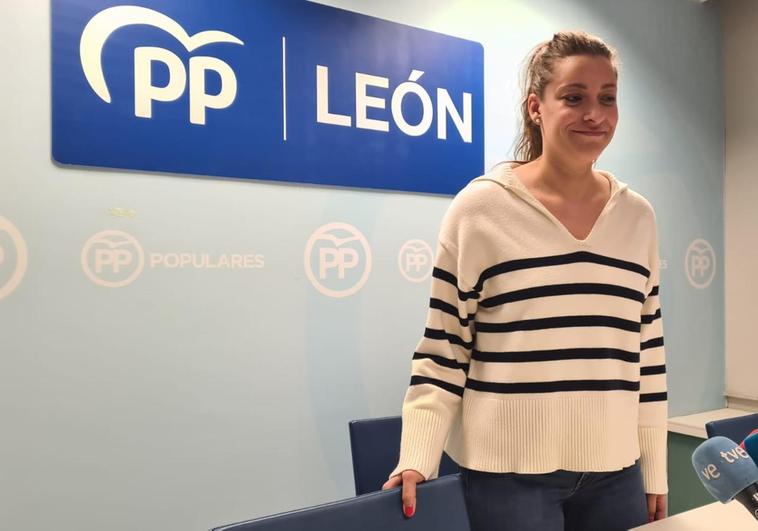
409	495
660	512
394	481
651	503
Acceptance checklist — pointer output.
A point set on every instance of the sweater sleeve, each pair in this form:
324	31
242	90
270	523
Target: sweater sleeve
653	407
439	366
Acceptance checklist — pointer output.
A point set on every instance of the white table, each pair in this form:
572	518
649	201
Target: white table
728	517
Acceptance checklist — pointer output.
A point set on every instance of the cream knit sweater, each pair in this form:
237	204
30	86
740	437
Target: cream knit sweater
541	351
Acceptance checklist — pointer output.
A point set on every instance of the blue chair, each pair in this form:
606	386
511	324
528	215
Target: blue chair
375	446
440	502
735	429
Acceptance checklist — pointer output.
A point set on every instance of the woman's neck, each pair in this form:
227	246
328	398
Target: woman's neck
574	181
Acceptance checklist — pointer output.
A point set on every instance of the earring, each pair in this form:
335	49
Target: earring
537	121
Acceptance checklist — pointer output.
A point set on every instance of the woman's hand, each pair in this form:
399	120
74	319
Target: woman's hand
656	507
408	478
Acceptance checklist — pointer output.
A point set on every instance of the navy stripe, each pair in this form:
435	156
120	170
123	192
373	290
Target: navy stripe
450	309
440	360
563	289
563	259
553	387
433	333
654	397
657	342
560	322
447	386
444	275
647	319
556	355
654	292
652	369
450	279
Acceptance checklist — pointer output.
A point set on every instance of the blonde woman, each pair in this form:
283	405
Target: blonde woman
542	371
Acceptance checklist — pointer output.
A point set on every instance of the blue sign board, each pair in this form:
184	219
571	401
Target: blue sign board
284	90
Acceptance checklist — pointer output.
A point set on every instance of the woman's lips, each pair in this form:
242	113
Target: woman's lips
591	133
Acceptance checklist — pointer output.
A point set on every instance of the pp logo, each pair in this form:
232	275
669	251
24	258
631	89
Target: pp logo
700	264
13	257
102	25
112	258
415	260
337	260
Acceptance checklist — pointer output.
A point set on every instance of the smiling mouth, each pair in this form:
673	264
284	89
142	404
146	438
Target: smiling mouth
591	133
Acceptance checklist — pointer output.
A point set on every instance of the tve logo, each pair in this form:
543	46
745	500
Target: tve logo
102	25
286	90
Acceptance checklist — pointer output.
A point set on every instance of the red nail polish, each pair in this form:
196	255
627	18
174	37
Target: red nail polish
408	511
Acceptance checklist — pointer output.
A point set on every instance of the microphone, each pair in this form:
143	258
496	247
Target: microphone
751	445
727	472
743	443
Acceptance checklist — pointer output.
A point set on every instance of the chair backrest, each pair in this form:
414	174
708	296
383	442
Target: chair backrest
440	502
736	428
375	447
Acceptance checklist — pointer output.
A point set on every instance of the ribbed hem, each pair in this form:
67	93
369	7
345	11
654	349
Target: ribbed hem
423	436
585	432
653	446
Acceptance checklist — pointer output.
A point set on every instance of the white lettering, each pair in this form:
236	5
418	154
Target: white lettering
111	257
446	106
171	260
711	472
144	90
329	258
201	100
417	260
363	102
185	260
322	100
462	119
700	264
412	87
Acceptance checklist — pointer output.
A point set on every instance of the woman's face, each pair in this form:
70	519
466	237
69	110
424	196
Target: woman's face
578	113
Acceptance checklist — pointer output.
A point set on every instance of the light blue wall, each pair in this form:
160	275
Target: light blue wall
192	398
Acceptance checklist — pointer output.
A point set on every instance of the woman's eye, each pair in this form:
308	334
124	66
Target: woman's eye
576	99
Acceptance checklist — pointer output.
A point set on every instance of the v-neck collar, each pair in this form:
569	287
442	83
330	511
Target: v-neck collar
503	175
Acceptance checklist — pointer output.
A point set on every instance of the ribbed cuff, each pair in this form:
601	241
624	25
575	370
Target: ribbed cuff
423	438
653	448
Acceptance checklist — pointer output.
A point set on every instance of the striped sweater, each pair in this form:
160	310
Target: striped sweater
541	351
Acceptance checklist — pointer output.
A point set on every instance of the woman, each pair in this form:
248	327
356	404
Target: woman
542	369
